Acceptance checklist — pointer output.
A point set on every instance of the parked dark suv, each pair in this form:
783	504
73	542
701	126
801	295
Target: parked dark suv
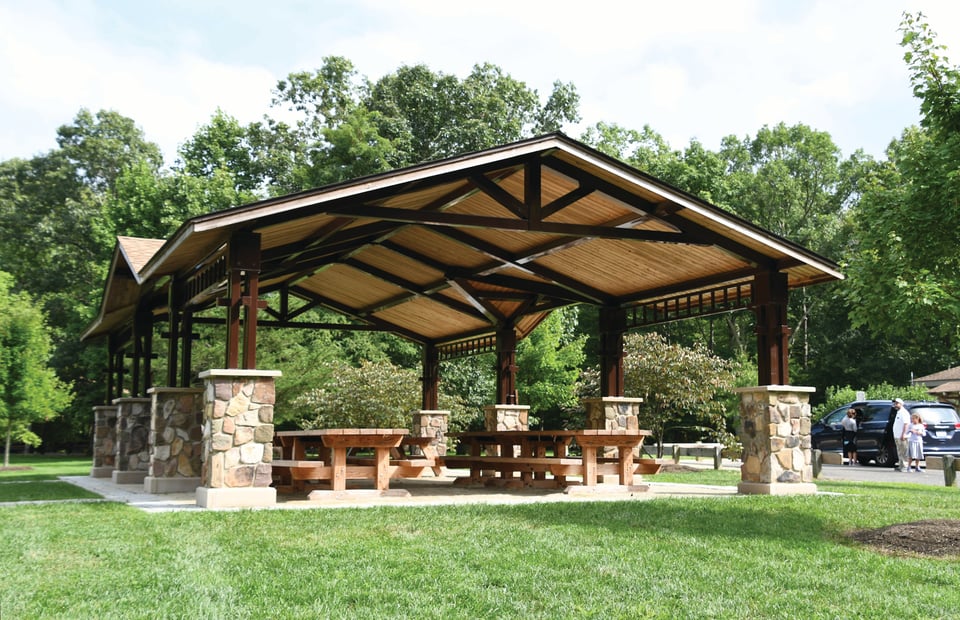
875	430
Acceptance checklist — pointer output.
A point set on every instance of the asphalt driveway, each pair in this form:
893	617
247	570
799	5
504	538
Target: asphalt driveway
869	473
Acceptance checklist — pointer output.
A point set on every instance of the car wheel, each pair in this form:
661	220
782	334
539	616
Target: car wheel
886	456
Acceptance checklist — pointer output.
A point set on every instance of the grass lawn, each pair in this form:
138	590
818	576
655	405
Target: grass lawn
34	477
726	557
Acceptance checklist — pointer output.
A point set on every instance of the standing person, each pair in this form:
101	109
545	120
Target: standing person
915	435
901	424
849	425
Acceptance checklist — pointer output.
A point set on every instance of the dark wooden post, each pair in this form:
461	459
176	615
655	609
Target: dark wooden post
234	290
174	310
430	379
118	372
146	350
111	369
243	263
186	347
773	333
613	322
507	367
141	326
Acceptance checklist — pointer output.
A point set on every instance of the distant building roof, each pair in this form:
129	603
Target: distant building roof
946	388
950	374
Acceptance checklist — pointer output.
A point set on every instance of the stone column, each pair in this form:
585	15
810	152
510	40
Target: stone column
613	413
176	431
237	438
775	434
133	440
506	417
104	441
432	423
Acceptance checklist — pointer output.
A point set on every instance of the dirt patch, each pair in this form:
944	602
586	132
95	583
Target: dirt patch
670	468
16	468
932	538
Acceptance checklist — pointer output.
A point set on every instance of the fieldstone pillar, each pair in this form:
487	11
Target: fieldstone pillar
176	434
506	417
613	413
237	438
133	440
775	434
104	441
432	423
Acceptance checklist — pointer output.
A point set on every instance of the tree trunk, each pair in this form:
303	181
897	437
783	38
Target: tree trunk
6	448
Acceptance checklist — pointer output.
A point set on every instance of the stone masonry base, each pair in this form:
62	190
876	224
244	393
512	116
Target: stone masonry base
101	472
247	497
152	484
129	477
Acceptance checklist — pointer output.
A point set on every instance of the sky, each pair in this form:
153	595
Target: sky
690	69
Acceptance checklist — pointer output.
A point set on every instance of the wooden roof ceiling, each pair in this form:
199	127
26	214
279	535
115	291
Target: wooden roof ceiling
462	247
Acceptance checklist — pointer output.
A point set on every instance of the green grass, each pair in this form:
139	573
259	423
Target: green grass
728	557
38	481
45	467
719	477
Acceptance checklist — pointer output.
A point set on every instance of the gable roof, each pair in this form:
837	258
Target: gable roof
947	387
459	248
950	374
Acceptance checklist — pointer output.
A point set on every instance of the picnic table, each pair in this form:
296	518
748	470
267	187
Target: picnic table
333	464
496	457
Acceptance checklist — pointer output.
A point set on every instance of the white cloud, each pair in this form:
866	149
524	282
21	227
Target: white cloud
688	68
56	63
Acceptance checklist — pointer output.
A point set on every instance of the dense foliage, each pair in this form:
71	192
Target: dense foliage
681	388
29	388
840	395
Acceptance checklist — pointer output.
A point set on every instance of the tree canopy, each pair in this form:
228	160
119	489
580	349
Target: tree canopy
905	248
29	388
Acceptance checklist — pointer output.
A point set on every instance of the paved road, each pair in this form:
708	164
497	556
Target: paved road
869	473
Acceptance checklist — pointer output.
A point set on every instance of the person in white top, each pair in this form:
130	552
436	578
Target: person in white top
901	426
915	433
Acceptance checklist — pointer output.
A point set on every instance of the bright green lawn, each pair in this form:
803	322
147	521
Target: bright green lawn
39	482
732	557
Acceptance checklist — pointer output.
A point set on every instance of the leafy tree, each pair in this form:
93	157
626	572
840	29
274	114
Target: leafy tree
837	396
348	126
57	243
29	389
473	380
676	381
549	362
787	180
100	145
374	394
904	262
223	146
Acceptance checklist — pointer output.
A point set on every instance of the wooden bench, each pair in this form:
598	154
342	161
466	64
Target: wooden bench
525	452
292	475
500	470
697	449
336	443
399	468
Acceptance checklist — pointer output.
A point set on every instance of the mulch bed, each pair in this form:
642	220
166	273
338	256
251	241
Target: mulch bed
939	538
